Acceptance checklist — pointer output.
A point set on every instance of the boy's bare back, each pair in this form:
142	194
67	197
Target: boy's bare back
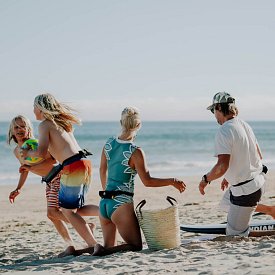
61	144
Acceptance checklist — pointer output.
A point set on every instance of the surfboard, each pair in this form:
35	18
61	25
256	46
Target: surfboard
219	228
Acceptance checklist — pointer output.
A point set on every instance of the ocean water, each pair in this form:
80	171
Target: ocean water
171	148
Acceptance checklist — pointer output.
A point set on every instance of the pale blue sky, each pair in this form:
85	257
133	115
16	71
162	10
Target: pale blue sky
167	57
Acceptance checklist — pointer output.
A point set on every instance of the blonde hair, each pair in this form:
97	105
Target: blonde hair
130	120
59	113
233	109
26	121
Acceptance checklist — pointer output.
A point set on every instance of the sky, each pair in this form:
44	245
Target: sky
166	57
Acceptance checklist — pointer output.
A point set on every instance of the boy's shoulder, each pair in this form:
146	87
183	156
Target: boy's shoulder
46	124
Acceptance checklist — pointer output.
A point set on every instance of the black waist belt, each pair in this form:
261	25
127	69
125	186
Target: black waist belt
113	194
242	183
58	168
264	170
81	154
52	174
250	200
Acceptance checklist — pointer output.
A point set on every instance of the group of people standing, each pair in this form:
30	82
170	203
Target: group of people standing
67	173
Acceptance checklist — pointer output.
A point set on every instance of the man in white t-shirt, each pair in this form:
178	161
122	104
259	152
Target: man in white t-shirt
239	162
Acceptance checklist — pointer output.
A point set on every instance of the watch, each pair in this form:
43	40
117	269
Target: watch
204	178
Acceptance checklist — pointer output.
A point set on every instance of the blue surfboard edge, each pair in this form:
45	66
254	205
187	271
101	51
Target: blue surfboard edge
219	229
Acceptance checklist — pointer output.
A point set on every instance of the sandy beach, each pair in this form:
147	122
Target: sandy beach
29	242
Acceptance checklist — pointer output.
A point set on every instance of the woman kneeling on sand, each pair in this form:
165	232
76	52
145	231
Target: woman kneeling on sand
121	160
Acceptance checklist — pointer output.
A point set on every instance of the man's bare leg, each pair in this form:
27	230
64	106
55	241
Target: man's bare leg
261	233
62	229
91	211
266	209
92	226
59	221
80	225
88	210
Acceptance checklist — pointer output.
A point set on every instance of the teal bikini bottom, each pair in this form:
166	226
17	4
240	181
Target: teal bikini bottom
108	206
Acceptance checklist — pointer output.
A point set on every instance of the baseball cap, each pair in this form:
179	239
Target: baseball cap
221	97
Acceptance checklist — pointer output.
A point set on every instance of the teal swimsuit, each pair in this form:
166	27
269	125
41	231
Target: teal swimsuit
120	174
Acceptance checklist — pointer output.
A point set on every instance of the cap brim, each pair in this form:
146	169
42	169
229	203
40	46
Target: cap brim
210	107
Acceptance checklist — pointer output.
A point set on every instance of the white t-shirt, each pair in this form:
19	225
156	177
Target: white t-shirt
236	138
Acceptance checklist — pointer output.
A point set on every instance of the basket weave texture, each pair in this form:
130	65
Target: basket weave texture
161	228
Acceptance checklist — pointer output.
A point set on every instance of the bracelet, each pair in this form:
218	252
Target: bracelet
204	178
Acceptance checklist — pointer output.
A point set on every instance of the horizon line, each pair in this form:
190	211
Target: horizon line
146	120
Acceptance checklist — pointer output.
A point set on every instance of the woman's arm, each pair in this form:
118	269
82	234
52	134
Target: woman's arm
138	162
103	170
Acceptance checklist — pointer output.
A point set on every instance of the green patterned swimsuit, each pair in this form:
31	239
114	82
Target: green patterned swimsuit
120	175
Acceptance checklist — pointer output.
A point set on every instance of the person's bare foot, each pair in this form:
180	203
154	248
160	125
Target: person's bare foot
98	250
89	250
70	250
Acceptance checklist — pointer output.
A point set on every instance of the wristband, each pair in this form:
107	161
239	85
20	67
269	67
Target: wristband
204	178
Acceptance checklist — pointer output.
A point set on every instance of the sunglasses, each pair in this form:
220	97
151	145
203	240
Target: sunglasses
212	110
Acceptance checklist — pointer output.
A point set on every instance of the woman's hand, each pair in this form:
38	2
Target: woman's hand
179	184
13	195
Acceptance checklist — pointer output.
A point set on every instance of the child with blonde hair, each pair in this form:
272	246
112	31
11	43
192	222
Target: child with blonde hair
20	130
56	136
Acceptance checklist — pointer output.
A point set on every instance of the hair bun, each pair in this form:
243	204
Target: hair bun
130	111
130	119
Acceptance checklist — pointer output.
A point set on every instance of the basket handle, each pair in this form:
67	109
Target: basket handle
140	205
170	199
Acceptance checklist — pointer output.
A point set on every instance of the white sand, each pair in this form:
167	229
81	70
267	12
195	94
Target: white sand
29	242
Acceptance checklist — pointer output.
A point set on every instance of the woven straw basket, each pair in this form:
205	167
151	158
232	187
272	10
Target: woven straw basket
161	228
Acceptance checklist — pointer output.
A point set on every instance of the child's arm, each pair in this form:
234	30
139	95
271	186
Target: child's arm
21	182
22	178
41	169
